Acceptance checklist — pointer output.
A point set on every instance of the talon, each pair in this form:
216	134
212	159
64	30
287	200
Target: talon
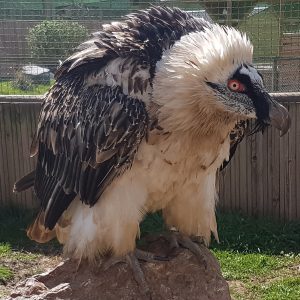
177	239
148	256
133	261
112	261
161	258
138	274
173	240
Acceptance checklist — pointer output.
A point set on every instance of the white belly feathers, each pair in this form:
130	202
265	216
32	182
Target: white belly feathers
161	177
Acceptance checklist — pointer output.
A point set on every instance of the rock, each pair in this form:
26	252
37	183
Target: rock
37	74
201	14
180	278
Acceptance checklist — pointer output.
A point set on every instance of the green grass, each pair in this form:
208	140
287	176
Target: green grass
5	249
258	257
243	266
5	274
10	260
7	88
249	235
286	288
14	223
19	256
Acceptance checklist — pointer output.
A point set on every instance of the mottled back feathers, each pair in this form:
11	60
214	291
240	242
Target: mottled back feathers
143	35
88	133
85	138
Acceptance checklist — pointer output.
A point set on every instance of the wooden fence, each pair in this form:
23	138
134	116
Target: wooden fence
262	179
18	118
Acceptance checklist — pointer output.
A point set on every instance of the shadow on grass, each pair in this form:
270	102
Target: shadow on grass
242	234
237	233
13	225
257	235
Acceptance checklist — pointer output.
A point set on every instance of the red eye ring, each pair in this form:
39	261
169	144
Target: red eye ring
235	86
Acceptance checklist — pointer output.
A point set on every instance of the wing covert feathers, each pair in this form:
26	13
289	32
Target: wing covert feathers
24	183
88	134
86	137
143	36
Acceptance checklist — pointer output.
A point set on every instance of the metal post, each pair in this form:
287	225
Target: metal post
275	74
229	12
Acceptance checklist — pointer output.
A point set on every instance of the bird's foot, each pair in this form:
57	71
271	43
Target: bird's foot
138	274
177	240
132	259
138	254
193	244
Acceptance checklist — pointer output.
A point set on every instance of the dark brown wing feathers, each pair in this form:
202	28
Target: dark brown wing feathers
84	143
25	182
143	35
87	136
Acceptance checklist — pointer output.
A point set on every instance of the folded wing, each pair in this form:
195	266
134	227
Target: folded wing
85	138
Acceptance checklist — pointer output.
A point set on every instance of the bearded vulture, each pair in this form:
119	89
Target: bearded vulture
139	120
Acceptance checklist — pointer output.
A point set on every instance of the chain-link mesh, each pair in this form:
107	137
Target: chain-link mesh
36	35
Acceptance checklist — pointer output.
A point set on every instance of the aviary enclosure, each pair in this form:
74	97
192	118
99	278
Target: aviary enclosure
35	36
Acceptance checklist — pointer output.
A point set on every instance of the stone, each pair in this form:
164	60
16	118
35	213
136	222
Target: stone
180	278
37	74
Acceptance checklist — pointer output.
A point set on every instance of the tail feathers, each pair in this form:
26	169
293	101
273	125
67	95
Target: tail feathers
38	232
25	182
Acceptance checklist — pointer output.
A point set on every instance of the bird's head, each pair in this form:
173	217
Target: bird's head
243	93
210	74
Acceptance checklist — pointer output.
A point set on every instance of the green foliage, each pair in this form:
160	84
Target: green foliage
10	88
153	223
262	29
240	9
22	82
51	41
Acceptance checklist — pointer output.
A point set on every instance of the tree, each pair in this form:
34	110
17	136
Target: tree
54	40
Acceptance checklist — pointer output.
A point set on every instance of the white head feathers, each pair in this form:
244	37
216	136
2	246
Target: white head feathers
217	49
213	55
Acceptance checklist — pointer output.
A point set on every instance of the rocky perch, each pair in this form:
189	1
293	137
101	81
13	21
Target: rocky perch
183	277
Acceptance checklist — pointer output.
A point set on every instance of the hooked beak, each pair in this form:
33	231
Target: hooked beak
279	117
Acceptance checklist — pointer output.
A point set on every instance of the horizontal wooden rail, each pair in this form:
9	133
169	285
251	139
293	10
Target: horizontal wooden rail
261	180
281	97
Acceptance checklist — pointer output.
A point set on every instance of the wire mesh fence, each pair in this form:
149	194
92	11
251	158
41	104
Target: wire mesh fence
35	35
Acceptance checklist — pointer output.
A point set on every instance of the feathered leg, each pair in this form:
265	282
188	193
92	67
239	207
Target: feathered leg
192	213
